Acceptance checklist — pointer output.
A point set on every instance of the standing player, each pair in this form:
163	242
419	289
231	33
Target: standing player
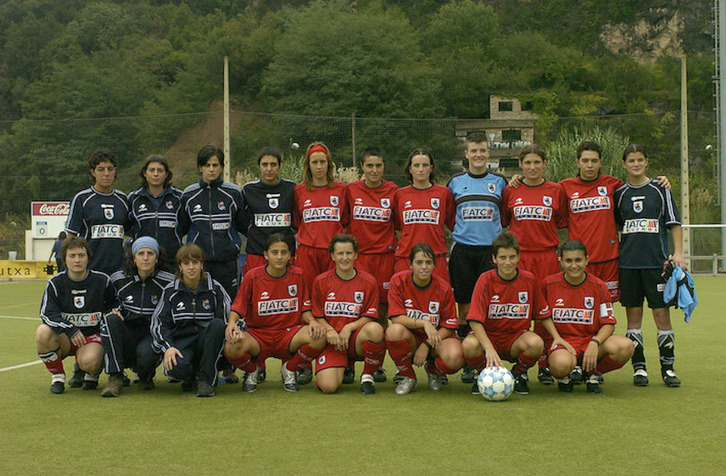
154	208
478	198
370	203
344	300
644	211
126	336
188	326
422	210
534	212
74	304
266	317
320	212
216	209
55	252
504	302
577	312
99	214
423	323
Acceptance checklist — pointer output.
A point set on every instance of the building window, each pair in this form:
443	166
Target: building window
506	106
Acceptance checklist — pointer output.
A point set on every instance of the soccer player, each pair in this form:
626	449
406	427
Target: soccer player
154	208
320	212
478	198
577	313
422	210
216	210
74	304
645	211
345	301
188	326
266	316
55	252
503	304
126	336
423	323
99	214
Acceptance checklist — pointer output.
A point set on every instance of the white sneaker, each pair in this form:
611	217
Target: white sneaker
288	378
406	385
250	383
435	382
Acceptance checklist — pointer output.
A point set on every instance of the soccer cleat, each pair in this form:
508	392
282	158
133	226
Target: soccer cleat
288	379
147	385
593	384
58	384
204	389
577	376
367	386
468	375
565	385
640	378
304	376
349	375
406	385
435	383
398	377
379	375
544	376
261	374
90	382
475	389
520	383
670	378
250	382
188	386
114	387
77	380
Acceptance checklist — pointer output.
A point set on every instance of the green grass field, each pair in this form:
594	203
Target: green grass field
626	429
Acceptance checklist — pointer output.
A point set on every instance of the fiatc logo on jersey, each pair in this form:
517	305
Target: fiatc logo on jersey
477	213
371	214
107	231
430	217
342	309
277	306
508	311
82	319
532	212
312	215
580	205
433	318
641	225
272	220
571	315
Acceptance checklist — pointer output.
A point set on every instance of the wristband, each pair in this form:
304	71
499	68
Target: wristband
595	341
428	345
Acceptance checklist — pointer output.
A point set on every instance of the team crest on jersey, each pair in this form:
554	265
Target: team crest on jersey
435	203
638	206
169	204
589	302
547	200
321	360
603	191
386	202
274	202
334	200
108	213
79	301
358	296
292	289
433	307
492	188
523	297
154	299
205	304
220	205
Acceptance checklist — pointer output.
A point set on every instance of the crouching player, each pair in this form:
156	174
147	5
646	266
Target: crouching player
266	318
344	300
423	323
578	315
74	304
188	326
503	303
126	336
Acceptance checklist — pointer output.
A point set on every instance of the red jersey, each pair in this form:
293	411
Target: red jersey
534	213
340	301
319	214
435	303
591	215
504	307
421	216
272	303
577	311
371	216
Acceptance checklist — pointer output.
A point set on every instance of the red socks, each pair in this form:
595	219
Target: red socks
524	362
437	366
52	361
400	352
243	362
477	363
373	355
303	358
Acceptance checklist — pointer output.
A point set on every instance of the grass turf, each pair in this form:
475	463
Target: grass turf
626	429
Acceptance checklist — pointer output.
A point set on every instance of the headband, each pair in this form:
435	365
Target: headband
318	148
145	242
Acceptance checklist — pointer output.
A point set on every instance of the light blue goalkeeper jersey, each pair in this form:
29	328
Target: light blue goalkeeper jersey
478	199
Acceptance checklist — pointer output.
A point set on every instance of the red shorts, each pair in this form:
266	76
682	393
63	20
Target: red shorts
92	338
381	267
420	339
578	343
274	342
540	263
441	269
330	357
503	344
313	261
608	272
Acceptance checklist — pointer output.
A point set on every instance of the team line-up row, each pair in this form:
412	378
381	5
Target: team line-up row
372	208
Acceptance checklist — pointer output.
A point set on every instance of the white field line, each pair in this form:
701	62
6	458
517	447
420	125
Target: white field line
20	317
20	366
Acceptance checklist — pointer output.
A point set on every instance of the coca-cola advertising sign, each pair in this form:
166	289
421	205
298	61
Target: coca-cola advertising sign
48	219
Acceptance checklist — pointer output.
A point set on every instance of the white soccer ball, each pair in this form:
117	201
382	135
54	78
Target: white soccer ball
295	146
495	383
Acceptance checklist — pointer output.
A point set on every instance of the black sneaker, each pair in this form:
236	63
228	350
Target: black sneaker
565	385
475	389
367	386
379	375
670	378
349	375
90	382
544	376
304	376
146	385
520	384
204	389
577	376
593	384
261	374
77	380
468	375
640	378
57	387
